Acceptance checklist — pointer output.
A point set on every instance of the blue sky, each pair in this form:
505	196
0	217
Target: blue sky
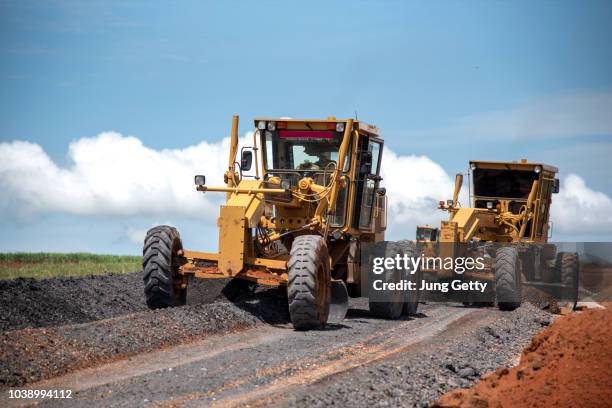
451	81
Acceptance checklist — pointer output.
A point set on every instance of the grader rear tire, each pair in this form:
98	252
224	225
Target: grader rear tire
567	268
161	277
507	279
390	304
309	281
411	302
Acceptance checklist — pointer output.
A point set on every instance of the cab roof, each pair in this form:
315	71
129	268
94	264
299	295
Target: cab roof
300	123
513	165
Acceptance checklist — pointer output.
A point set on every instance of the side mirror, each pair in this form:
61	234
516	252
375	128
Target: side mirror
246	160
556	186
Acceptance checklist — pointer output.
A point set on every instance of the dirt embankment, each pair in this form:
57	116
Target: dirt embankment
566	365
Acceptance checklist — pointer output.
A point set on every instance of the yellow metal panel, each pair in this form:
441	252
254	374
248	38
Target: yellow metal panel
200	256
467	222
318	124
269	263
368	128
261	276
231	240
252	204
244	199
448	245
448	231
352	187
513	165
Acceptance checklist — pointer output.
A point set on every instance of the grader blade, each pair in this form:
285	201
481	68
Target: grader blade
339	302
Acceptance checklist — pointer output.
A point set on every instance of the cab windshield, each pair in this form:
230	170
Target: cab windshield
303	150
509	184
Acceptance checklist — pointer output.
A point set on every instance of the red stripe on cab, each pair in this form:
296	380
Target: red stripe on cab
306	134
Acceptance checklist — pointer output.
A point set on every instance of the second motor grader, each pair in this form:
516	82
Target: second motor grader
507	223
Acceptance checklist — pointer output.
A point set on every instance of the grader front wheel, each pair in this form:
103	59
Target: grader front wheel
308	288
161	280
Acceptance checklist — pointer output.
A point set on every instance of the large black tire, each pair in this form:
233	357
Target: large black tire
411	300
530	267
507	278
388	304
567	268
161	279
309	282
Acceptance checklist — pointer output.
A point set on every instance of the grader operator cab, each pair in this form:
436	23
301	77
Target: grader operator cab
298	223
508	223
510	203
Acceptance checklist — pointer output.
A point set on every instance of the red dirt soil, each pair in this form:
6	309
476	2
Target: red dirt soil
569	364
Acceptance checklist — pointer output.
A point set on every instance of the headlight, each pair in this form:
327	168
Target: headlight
489	205
200	180
285	184
537	169
340	127
261	125
271	126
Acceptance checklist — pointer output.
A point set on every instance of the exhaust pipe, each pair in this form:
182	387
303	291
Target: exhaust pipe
458	183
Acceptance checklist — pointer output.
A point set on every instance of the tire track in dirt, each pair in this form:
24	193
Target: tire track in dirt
145	363
305	371
358	356
273	364
360	342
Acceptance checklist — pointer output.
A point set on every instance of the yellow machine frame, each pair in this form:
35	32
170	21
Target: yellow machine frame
250	202
498	223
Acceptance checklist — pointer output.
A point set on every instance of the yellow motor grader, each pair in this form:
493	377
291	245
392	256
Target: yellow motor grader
507	225
298	223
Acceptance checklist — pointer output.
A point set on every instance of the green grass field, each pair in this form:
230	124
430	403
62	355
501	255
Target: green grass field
47	265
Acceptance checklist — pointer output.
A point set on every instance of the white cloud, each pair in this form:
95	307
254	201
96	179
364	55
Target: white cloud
577	209
136	235
561	115
414	186
114	175
110	174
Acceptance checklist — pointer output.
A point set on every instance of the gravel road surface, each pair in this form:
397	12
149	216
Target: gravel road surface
362	362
